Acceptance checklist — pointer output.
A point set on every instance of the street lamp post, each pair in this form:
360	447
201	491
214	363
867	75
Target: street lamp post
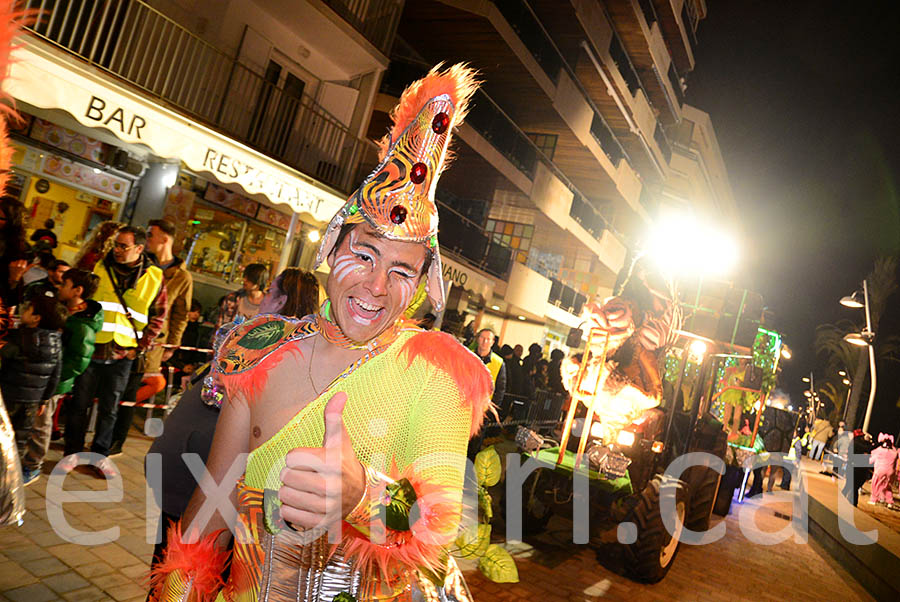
847	382
864	338
811	394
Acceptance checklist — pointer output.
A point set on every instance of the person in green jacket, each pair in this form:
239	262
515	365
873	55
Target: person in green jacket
84	322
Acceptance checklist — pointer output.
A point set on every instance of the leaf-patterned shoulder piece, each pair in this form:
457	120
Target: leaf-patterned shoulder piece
257	338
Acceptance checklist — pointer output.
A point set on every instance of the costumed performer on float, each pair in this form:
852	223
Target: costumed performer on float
346	430
641	320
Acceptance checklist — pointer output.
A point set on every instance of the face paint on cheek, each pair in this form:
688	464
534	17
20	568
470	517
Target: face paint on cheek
407	289
348	262
345	265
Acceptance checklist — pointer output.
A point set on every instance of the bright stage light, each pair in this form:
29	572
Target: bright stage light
698	348
682	245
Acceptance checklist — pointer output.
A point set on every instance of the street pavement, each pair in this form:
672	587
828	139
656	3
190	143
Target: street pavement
37	564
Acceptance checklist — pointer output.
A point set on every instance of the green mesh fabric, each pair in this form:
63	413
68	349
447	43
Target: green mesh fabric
413	416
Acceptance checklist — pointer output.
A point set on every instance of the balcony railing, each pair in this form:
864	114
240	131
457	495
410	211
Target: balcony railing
659	134
606	139
468	239
583	213
376	20
623	63
675	80
566	297
649	11
497	128
690	18
529	29
136	43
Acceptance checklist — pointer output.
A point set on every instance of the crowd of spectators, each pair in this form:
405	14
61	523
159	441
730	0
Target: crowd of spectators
103	331
517	378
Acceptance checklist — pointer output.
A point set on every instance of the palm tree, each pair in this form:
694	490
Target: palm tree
839	355
833	393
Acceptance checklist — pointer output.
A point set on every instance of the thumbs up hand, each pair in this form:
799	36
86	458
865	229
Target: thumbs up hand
321	485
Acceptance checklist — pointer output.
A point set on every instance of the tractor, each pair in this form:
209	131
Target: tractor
622	449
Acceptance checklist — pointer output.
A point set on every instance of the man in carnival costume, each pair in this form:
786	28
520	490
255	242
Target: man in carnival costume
347	428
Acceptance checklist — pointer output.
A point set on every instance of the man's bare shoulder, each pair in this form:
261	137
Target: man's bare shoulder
250	343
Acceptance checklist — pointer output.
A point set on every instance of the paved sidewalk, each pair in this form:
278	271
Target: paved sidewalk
36	564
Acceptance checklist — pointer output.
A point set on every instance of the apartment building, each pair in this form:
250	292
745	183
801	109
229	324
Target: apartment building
578	136
248	125
240	120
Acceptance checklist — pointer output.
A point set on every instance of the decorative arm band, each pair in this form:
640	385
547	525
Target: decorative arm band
401	523
189	571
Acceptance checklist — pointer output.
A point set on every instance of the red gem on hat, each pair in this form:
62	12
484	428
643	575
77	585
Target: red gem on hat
417	175
440	122
398	213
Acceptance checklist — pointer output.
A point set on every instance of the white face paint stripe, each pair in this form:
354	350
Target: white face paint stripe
358	251
348	262
407	288
345	265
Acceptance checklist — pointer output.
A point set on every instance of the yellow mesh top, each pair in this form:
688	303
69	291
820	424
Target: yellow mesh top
414	416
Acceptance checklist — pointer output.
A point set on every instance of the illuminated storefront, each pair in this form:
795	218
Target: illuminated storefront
232	205
57	174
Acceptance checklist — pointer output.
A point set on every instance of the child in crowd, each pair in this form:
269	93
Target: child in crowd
81	327
30	363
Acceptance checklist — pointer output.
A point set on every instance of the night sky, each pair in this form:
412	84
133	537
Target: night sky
804	99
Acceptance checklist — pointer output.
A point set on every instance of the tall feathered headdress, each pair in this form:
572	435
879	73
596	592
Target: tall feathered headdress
10	23
397	199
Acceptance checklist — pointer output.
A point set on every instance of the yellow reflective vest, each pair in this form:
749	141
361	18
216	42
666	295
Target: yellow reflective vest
494	365
116	325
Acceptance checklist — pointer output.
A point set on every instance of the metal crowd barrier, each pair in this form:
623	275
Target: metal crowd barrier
540	412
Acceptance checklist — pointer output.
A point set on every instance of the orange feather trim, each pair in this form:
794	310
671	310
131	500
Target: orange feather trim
202	564
249	384
464	367
423	546
459	82
11	22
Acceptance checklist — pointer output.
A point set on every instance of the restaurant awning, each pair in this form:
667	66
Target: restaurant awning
48	79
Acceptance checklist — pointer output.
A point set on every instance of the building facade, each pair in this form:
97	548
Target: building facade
578	138
240	121
248	125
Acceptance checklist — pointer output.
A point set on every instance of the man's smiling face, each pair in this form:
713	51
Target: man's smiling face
372	281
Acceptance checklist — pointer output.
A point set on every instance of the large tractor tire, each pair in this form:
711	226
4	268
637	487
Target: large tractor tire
651	556
703	496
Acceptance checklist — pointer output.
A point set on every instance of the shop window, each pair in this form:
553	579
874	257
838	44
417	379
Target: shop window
221	232
221	245
213	238
262	244
56	188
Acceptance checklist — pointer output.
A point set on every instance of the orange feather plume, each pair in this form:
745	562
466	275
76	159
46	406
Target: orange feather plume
466	369
10	23
459	82
200	564
422	546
